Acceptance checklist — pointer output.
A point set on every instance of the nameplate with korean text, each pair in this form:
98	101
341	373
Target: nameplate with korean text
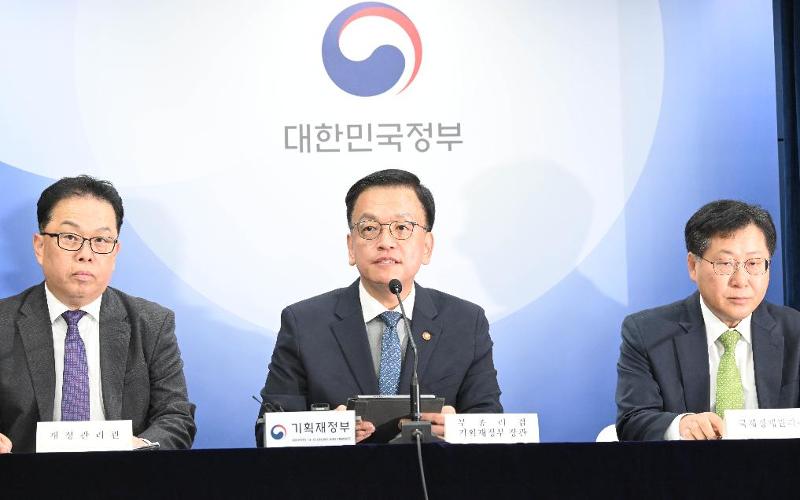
479	428
309	428
90	435
780	423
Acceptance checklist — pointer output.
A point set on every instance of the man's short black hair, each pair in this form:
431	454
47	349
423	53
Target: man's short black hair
80	186
723	218
392	177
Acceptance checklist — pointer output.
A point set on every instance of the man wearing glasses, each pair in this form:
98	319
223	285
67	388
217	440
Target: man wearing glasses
72	348
351	341
682	365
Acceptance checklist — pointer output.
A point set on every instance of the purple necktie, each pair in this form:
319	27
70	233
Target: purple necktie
75	388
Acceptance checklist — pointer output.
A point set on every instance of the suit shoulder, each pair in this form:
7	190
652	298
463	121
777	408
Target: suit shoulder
446	302
783	313
137	306
9	306
323	301
668	312
16	300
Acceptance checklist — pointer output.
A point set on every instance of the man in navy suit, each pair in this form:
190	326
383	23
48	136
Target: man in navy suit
345	343
682	365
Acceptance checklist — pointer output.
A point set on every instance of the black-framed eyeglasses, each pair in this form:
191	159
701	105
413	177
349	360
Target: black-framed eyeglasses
72	242
754	267
371	229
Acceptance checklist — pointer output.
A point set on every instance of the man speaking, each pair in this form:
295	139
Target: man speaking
351	341
73	348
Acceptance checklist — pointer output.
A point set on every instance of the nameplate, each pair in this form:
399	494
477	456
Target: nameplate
309	428
479	428
91	435
783	423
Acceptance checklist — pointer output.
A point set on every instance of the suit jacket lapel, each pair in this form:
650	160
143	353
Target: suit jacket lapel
351	334
115	334
423	319
36	332
692	351
767	357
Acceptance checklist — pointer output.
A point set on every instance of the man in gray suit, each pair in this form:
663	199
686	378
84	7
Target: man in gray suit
72	348
682	365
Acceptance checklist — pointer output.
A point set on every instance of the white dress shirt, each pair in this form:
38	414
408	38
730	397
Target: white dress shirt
744	362
89	328
371	309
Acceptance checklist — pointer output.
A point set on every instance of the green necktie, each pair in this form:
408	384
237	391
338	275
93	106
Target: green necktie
730	393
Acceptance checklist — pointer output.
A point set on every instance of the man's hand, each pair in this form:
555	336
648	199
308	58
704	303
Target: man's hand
437	420
364	429
5	444
138	443
701	426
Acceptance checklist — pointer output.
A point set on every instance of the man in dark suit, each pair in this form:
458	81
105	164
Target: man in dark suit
351	341
682	365
73	348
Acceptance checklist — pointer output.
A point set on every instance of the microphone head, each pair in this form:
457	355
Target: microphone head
395	286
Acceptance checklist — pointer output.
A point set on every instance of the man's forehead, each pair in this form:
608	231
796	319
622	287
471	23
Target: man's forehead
372	215
75	225
731	242
388	201
84	212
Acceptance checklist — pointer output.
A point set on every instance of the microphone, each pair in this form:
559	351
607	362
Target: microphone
396	287
266	407
416	430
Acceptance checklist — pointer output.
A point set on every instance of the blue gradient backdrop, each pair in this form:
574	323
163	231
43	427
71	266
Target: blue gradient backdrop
716	138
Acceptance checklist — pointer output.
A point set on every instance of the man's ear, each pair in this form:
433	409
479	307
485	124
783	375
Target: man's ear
691	264
427	252
38	247
116	251
351	256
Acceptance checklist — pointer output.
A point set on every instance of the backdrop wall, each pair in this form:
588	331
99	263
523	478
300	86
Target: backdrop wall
566	144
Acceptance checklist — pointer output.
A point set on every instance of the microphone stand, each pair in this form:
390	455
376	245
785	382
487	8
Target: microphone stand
417	429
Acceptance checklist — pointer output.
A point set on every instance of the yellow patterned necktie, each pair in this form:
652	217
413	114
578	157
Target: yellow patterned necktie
730	393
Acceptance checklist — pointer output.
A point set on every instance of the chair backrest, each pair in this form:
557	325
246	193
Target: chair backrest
608	435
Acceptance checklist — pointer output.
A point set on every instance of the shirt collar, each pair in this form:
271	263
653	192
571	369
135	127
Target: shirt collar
372	308
56	308
715	327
